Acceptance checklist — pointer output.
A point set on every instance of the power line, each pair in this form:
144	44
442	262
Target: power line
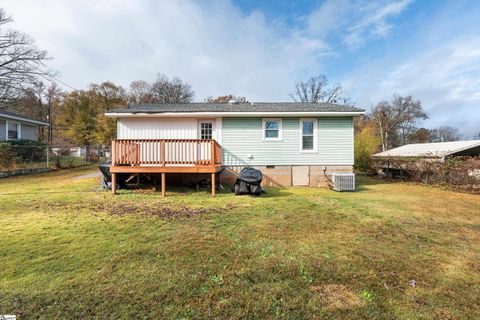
56	79
45	76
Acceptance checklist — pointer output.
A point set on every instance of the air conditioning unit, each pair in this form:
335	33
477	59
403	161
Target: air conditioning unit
343	181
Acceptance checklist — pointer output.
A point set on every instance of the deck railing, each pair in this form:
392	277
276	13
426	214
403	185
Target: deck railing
166	152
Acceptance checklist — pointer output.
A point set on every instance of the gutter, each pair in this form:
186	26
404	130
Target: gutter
230	114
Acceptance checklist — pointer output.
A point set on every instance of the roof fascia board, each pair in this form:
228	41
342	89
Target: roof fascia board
21	119
231	114
463	149
439	155
408	157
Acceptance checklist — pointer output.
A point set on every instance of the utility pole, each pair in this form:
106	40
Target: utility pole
49	116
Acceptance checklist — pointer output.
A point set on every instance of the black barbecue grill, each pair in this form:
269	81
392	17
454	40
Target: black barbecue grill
107	176
248	182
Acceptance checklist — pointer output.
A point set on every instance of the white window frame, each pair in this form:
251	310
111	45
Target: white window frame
19	130
199	127
315	134
280	129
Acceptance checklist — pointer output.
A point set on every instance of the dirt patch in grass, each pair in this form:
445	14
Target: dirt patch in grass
160	210
335	297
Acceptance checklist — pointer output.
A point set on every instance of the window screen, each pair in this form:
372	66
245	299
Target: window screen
307	135
271	129
12	131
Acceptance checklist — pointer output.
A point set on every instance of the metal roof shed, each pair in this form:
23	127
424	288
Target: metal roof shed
437	150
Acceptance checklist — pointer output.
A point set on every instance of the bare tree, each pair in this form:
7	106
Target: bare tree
385	123
445	134
175	90
408	112
140	92
225	99
317	89
21	62
396	121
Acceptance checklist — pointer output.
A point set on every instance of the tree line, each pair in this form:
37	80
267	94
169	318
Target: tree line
390	124
77	117
386	125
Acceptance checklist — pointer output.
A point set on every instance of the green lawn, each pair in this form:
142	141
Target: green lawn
68	250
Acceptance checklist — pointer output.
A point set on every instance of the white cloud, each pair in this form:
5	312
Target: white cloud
374	21
211	44
329	17
219	49
354	21
445	78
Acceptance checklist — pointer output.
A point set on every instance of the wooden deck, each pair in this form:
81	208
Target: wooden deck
165	156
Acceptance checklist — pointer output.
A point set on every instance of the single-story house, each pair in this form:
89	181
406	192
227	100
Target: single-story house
17	127
437	151
291	143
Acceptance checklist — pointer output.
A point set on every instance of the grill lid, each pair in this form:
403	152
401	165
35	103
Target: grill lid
251	175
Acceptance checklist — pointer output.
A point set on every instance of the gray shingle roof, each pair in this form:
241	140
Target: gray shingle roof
19	117
237	107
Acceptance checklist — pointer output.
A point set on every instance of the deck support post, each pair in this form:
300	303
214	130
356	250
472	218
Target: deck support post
114	183
163	184
213	184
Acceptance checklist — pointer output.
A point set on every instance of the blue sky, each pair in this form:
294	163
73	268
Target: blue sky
259	48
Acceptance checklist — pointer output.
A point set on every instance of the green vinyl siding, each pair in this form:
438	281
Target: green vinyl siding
242	137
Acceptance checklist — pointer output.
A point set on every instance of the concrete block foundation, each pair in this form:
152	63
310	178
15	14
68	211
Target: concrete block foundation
286	176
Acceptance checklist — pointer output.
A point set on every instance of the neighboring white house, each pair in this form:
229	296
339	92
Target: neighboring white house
291	143
17	127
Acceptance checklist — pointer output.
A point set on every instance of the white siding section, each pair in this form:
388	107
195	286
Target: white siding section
157	128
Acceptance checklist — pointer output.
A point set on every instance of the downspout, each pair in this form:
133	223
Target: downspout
330	185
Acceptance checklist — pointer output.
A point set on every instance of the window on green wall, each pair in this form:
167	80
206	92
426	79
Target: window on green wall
272	129
308	135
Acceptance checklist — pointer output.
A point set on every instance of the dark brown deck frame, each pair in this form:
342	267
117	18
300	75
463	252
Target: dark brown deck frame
165	156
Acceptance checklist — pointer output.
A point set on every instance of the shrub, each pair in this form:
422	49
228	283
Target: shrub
13	153
366	144
458	173
28	151
7	156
